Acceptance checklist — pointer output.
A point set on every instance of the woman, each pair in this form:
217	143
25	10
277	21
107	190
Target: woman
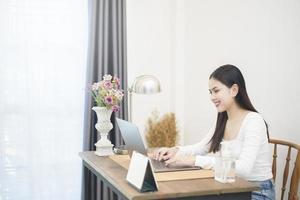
238	123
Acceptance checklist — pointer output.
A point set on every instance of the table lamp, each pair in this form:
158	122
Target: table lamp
144	84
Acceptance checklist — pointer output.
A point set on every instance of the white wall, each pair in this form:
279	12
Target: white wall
149	36
182	42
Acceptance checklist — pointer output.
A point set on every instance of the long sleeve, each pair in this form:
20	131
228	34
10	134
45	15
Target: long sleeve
205	162
200	150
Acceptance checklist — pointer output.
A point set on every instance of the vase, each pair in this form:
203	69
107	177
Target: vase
103	126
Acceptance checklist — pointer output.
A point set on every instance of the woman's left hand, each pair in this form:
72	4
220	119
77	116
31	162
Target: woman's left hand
181	161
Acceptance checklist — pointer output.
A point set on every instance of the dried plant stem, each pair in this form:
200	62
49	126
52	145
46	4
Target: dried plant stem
161	132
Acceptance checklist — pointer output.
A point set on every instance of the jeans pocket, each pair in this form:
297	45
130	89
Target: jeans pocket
267	191
262	195
257	195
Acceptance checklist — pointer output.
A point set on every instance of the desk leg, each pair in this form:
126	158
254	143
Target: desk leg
107	191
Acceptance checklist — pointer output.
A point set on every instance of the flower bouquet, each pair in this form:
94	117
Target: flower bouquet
107	93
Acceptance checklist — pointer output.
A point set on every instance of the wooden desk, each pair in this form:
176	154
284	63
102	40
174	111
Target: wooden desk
114	177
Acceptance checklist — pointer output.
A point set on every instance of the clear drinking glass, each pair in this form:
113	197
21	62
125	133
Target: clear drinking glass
224	170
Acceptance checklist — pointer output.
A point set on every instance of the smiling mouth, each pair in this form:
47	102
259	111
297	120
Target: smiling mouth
217	103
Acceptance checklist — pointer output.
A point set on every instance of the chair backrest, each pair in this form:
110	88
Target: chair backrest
295	177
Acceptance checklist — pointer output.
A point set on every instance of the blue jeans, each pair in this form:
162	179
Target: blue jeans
266	192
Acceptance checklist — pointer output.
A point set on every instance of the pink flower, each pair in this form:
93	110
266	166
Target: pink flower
115	108
108	100
108	85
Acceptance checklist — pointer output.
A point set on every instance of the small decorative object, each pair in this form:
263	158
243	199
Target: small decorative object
161	132
107	96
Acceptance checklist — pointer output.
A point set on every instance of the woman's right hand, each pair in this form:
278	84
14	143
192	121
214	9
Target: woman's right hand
164	153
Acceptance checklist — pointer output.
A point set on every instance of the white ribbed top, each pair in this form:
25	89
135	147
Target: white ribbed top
250	149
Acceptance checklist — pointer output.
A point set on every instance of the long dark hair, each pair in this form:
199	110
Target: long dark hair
229	75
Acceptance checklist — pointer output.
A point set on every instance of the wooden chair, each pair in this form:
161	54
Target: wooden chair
295	178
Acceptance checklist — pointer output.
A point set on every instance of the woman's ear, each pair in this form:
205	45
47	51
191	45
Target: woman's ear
234	90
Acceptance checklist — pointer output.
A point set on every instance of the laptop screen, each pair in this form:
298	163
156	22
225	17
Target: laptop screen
131	136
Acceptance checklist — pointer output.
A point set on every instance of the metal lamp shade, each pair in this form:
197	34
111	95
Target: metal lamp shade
146	84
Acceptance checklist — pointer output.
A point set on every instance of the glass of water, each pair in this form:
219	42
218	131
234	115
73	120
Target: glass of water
224	170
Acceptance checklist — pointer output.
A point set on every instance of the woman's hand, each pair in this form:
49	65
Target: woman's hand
164	153
181	161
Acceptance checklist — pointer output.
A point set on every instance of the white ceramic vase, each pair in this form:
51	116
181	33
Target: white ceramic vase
103	126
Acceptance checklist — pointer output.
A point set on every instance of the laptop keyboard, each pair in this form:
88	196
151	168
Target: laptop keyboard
158	164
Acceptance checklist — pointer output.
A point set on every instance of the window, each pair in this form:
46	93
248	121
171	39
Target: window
42	75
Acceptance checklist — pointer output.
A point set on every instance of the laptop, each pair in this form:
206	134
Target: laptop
134	142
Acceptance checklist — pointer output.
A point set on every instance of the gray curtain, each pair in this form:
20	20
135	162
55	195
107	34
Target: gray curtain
106	55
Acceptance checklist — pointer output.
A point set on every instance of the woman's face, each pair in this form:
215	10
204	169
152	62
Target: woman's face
222	96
